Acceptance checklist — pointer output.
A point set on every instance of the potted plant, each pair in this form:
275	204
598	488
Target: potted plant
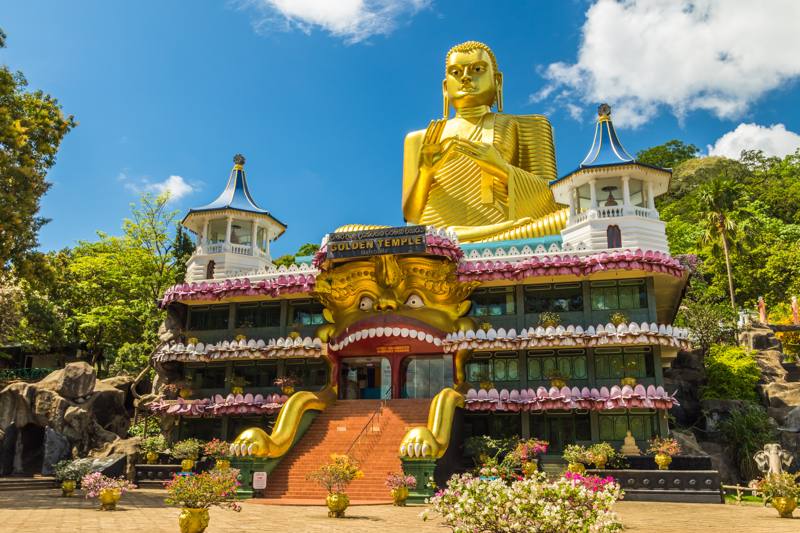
237	384
663	450
484	380
69	472
152	446
107	489
781	490
334	477
618	318
188	451
600	453
185	389
557	378
398	485
219	450
287	384
549	319
525	455
196	494
577	457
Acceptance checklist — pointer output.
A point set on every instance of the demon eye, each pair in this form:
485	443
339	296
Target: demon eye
414	301
366	303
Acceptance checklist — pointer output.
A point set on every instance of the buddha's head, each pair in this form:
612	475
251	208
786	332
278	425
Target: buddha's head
471	77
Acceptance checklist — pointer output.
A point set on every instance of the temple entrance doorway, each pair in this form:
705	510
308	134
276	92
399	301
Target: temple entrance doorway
365	378
424	376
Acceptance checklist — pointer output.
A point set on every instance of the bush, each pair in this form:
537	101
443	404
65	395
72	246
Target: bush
748	429
204	490
336	475
187	449
732	373
69	470
156	444
566	505
151	422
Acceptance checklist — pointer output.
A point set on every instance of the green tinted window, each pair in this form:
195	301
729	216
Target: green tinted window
570	363
206	318
615	363
612	295
496	301
615	426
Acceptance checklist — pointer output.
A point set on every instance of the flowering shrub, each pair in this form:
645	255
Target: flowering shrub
336	475
575	453
217	449
201	491
69	470
505	471
484	449
666	446
601	449
396	481
187	449
288	381
783	485
593	483
564	505
93	483
529	449
155	444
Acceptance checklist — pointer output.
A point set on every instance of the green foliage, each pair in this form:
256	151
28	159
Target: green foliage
575	453
149	423
156	444
187	449
732	374
32	126
668	155
305	250
204	490
183	248
71	470
709	322
748	429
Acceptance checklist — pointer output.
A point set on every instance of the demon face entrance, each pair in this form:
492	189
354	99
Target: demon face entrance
363	378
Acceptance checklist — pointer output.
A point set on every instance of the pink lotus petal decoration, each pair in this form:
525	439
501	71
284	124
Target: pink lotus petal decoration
568	399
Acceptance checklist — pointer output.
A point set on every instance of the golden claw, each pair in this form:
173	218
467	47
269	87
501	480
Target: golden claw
433	440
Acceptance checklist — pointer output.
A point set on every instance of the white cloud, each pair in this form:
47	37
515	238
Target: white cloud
352	20
774	140
713	55
176	186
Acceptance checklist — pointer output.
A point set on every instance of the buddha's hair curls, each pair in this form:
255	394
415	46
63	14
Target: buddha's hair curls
469	46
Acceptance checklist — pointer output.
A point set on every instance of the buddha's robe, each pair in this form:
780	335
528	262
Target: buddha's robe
479	206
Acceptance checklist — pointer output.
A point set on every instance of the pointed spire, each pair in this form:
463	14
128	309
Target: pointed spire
606	147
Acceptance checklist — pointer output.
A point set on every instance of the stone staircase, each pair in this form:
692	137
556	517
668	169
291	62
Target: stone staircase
377	440
27	483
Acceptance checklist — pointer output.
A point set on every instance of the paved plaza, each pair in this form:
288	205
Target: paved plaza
143	511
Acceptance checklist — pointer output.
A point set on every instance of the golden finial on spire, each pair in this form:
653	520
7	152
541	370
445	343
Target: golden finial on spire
238	162
603	112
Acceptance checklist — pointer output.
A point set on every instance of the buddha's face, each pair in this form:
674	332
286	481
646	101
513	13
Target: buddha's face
470	79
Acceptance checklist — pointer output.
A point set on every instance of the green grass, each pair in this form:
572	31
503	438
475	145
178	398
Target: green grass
746	498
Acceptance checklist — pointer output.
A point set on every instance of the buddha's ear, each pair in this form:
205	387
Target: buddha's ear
498	83
445	100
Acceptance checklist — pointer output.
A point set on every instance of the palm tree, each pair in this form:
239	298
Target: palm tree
719	198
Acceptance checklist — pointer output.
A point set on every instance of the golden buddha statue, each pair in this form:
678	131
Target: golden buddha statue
483	175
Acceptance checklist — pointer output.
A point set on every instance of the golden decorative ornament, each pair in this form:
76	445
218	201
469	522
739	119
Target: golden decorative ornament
558	383
663	461
109	498
399	496
785	506
530	468
151	458
576	468
192	340
294	334
288	390
629	381
187	465
222	464
337	503
600	461
193	520
236	389
67	488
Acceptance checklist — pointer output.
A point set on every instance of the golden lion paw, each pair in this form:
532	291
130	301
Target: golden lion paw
251	442
419	442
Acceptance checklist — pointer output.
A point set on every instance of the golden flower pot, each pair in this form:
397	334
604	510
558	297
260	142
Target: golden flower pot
109	498
629	381
399	496
185	393
222	464
193	520
187	465
288	390
67	487
576	468
337	503
600	461
784	506
151	458
530	468
558	383
237	390
663	460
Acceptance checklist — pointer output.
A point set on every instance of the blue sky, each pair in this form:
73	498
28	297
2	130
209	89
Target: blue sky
318	95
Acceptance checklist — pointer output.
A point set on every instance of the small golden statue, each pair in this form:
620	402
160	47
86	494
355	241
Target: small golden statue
483	175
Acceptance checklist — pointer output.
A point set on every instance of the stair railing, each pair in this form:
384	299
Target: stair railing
373	422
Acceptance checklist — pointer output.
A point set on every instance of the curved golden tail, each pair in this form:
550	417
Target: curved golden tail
256	443
433	440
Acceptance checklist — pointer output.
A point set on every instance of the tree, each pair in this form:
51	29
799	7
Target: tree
668	155
289	259
719	199
183	248
32	126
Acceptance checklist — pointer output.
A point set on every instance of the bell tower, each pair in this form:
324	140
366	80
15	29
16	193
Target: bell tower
233	233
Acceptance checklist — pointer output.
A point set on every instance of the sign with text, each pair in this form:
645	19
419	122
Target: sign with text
259	480
402	240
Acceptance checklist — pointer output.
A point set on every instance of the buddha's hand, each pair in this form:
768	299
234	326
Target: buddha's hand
485	156
419	442
434	152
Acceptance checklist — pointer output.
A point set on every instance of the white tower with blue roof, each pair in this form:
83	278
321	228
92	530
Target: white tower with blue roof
611	196
233	233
